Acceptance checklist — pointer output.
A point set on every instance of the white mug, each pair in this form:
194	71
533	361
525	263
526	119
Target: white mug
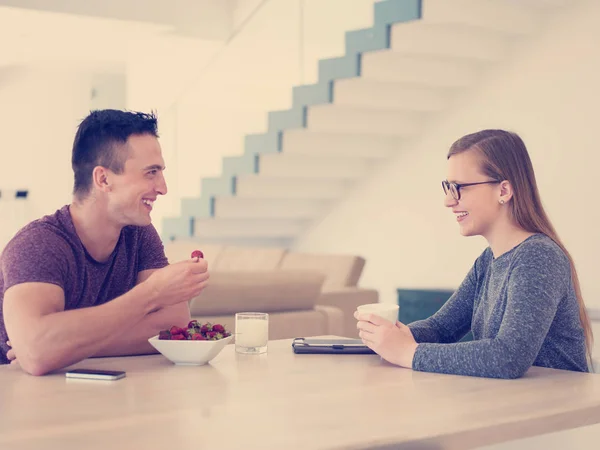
388	311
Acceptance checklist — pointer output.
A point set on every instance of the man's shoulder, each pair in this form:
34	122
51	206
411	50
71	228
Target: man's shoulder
47	234
141	236
147	245
42	251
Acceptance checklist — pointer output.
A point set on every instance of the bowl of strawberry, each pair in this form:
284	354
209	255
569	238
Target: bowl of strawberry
193	345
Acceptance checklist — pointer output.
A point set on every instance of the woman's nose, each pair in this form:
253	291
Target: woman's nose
449	201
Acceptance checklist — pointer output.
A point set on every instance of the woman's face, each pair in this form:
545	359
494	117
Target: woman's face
477	207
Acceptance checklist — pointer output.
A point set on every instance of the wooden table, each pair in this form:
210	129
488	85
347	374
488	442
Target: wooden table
285	401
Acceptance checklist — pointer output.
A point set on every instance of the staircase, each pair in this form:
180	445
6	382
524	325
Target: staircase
416	61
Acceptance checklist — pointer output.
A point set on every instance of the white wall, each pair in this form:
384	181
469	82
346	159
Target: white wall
550	95
108	91
242	10
39	113
276	49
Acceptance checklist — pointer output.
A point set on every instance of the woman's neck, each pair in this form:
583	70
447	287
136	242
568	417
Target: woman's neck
506	238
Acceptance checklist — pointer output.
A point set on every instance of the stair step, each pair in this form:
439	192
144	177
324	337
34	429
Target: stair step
268	208
497	15
346	119
426	71
176	228
449	40
372	146
543	5
304	166
386	95
218	228
260	186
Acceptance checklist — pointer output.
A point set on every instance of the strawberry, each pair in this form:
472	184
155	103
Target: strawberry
197	254
164	335
175	330
195	332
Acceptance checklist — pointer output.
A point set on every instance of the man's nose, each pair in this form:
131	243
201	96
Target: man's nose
161	186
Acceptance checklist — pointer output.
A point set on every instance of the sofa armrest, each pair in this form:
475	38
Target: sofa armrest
334	318
347	300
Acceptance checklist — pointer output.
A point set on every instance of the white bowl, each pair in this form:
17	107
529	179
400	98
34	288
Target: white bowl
189	353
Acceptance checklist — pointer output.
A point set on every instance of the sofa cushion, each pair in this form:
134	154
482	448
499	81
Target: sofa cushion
419	304
340	270
249	258
180	250
237	291
288	325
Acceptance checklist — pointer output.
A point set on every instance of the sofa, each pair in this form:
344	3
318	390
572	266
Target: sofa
305	294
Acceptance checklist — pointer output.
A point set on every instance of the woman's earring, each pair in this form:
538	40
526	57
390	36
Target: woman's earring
501	202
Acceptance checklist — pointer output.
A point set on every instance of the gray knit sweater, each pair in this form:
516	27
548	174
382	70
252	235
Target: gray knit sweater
522	310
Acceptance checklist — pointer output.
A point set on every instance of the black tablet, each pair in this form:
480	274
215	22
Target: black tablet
330	346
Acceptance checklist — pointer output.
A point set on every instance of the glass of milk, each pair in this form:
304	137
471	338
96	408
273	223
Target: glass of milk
251	332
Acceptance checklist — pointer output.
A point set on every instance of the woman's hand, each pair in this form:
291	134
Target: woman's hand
393	342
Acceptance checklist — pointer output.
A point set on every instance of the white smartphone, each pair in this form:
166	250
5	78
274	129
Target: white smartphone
95	374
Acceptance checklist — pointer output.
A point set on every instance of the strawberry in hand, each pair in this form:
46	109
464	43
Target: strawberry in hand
197	254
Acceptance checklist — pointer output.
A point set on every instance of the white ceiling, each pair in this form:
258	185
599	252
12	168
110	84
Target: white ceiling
203	19
105	35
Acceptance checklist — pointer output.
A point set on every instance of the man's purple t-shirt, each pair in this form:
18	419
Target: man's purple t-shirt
48	250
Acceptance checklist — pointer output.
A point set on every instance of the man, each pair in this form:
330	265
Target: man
92	279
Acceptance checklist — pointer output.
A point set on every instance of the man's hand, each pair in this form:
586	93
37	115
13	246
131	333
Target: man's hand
393	342
179	282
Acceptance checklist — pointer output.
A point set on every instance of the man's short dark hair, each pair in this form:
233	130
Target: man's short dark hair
99	142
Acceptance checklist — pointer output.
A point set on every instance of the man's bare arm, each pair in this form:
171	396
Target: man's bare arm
134	340
45	337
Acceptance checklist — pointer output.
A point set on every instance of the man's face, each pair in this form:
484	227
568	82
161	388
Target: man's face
134	191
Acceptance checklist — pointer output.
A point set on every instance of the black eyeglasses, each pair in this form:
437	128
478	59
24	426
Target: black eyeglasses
454	188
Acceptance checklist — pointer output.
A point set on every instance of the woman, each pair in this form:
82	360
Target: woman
521	299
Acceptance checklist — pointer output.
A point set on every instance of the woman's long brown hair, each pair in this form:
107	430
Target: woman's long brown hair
505	157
